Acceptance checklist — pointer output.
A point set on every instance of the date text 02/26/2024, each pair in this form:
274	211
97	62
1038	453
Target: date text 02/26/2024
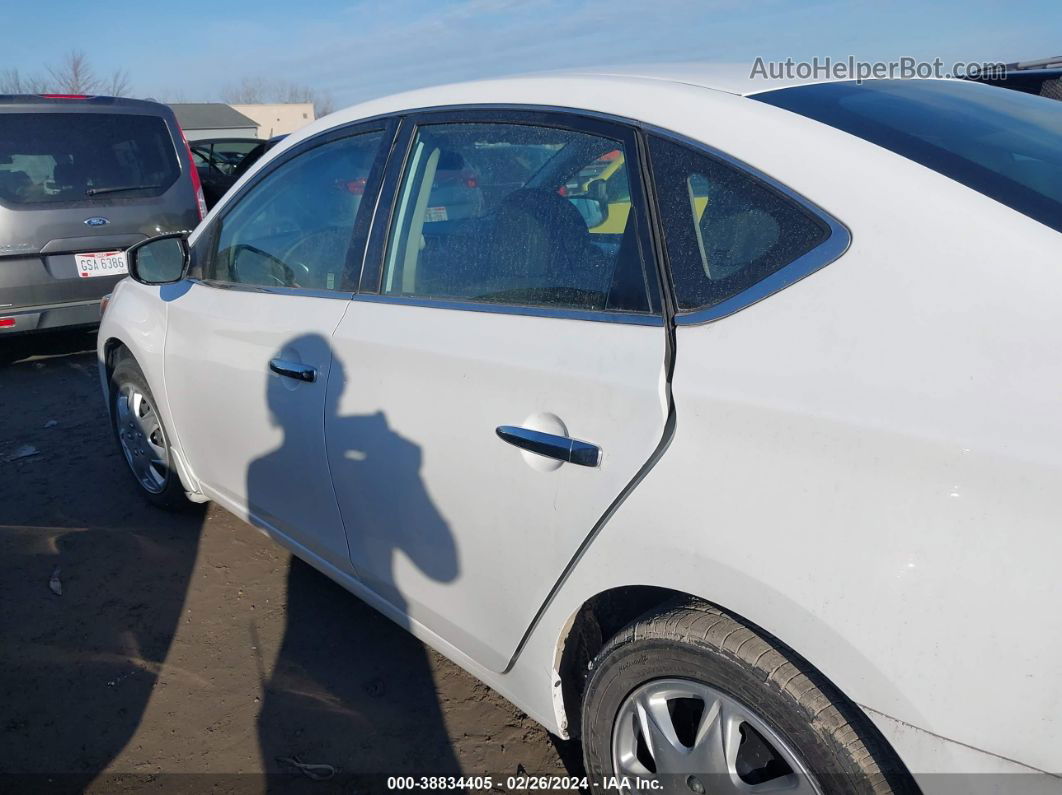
519	783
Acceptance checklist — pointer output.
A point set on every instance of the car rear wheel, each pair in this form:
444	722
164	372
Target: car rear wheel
142	438
695	701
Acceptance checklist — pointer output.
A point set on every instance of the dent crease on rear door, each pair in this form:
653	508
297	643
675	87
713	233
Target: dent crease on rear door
658	453
668	308
458	532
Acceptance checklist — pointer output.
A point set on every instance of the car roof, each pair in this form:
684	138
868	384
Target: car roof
76	103
812	158
688	99
591	89
687	108
732	78
595	91
652	95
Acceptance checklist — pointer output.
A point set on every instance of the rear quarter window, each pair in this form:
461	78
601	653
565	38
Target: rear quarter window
71	158
724	229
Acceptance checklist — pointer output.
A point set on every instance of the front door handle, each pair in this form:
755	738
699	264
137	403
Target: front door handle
296	370
562	448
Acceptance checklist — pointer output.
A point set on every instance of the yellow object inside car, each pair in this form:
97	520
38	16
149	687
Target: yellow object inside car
610	168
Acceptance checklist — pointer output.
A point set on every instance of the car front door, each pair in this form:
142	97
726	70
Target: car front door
500	378
248	353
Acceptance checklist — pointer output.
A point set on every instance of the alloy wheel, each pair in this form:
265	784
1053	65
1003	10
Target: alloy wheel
691	738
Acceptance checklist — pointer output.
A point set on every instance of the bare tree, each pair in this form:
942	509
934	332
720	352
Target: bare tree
74	75
10	82
253	90
323	103
117	84
249	91
14	82
171	95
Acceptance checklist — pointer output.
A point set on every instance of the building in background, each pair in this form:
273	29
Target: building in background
278	118
201	120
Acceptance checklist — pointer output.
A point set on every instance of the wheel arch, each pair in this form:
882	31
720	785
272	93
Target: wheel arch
603	615
112	348
587	631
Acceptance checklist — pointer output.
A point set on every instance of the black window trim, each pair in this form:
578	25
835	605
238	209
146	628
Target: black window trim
590	123
208	238
401	124
828	250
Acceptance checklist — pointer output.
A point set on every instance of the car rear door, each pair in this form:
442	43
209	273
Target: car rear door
248	353
503	371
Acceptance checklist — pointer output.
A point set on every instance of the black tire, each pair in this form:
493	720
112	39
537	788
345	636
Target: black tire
12	348
8	354
170	494
828	734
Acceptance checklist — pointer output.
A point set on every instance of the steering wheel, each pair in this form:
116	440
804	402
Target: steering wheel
327	245
277	263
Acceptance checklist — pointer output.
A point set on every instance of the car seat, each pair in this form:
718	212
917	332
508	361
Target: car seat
13	184
69	177
538	240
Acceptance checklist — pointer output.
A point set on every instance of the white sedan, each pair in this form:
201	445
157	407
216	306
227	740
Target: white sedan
721	431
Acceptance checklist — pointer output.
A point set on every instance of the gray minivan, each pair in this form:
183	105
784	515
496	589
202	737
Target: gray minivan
82	179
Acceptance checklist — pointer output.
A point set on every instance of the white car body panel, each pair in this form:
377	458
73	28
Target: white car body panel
253	438
867	464
140	327
483	529
943	767
820	497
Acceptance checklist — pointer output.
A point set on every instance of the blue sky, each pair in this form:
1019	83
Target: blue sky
355	50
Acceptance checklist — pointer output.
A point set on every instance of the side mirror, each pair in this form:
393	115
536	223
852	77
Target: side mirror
159	260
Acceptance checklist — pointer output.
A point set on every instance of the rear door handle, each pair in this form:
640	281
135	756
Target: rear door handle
562	448
296	370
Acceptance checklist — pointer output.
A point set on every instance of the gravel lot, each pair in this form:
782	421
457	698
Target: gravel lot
190	643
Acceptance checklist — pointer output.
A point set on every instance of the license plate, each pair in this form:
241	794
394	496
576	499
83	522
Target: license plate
101	263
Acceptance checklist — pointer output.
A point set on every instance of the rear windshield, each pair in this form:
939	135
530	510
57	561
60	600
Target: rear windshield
61	158
1004	144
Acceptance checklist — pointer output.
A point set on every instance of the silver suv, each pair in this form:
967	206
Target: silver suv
82	179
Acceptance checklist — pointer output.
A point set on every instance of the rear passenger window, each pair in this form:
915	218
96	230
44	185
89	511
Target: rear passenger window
295	227
724	230
516	214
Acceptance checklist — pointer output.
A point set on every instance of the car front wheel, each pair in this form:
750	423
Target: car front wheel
141	437
691	700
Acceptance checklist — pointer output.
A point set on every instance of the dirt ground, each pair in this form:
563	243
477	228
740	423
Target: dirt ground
191	644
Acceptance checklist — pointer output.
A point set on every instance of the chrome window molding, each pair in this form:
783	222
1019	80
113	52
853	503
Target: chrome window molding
830	249
306	292
602	316
823	254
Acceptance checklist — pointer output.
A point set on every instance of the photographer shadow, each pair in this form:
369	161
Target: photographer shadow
349	688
